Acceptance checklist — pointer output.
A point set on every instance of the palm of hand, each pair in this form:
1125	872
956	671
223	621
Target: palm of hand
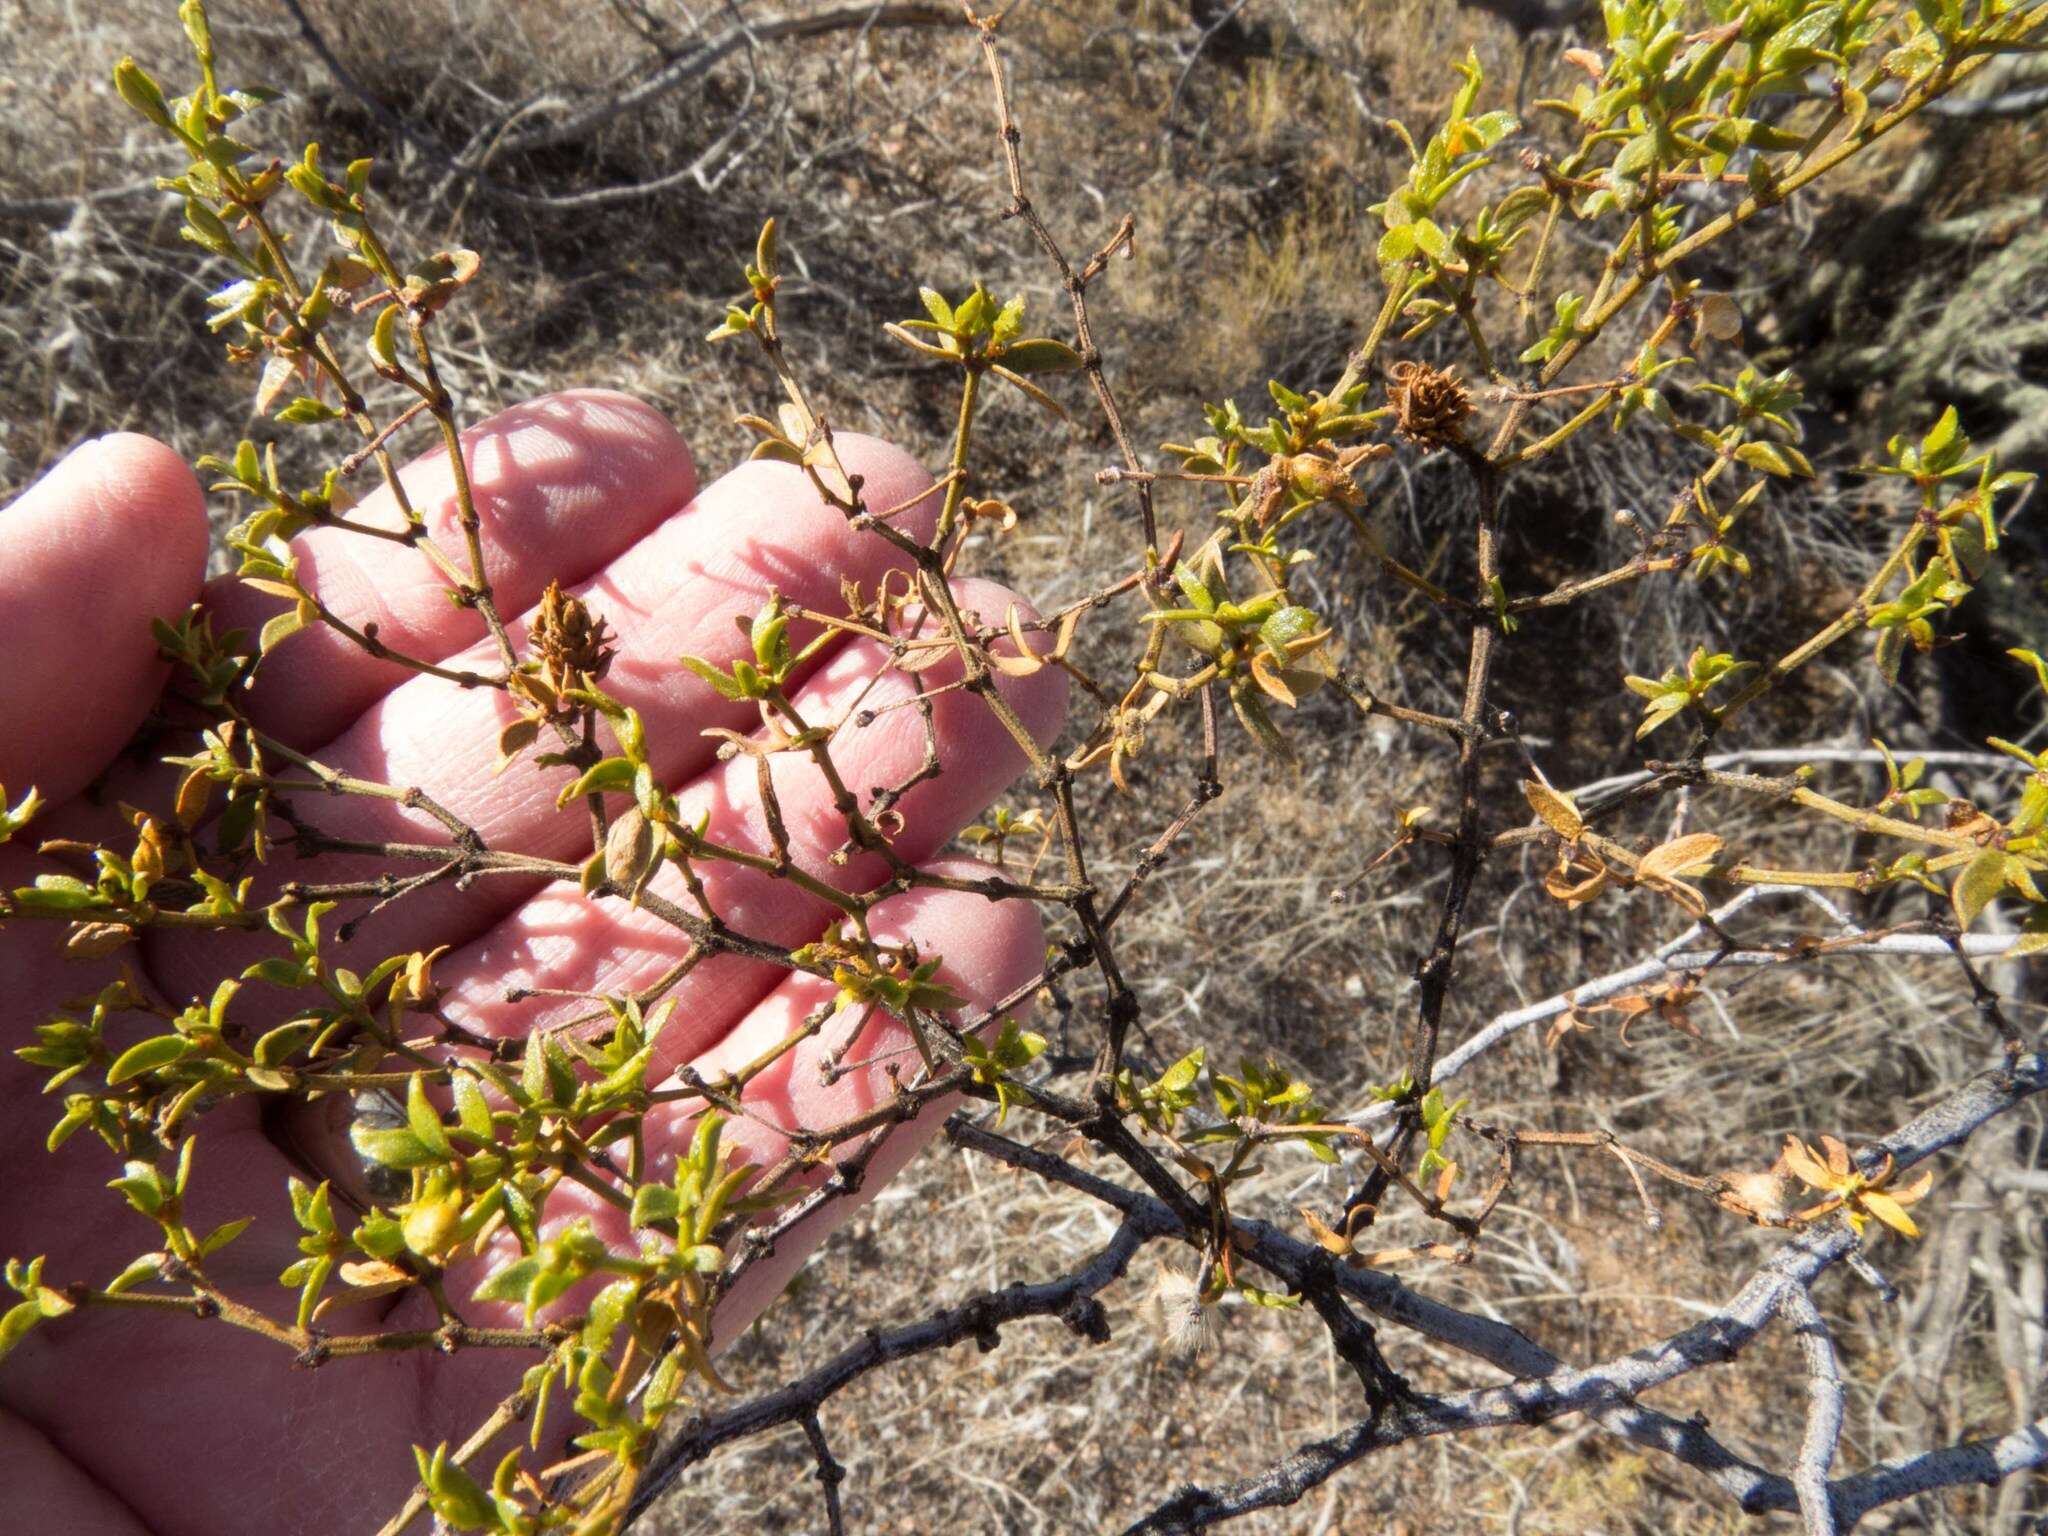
122	1423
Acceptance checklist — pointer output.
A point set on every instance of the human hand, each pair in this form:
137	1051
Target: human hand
126	1422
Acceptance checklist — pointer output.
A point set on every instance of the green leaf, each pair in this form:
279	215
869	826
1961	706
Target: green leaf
148	1267
1940	435
654	1203
1007	323
1659	713
1774	459
143	94
533	1072
1891	651
14	1327
614	773
278	971
735	323
702	1258
311	1278
1181	1076
147	1056
197	32
1259	1298
769	636
1635	157
1040	354
472	1109
453	1494
973	314
222	1235
142	1186
204	229
425	1120
281	627
513	1282
393	1148
55	893
726	686
12	821
277	1046
1052	406
1980	882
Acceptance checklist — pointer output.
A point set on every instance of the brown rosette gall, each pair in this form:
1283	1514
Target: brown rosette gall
570	642
1430	407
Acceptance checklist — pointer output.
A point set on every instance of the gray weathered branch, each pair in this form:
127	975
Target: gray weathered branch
1680	955
1608	1391
1824	1395
1071	1298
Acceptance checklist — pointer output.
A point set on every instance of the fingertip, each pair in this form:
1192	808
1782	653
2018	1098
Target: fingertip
597	441
141	491
111	538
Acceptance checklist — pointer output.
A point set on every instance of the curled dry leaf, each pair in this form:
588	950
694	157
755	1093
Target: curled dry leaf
88	941
1555	810
366	1281
1669	1005
1660	867
1719	317
922	655
1445	1180
1577	878
1888	1205
1569	1022
1327	1238
1668	859
515	739
414	981
1028	660
630	852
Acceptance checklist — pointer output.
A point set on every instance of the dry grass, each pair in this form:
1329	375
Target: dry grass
1250	179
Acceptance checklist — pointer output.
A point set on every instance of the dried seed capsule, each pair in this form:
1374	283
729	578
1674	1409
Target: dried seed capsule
629	852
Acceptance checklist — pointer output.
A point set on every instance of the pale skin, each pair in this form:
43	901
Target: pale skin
120	1425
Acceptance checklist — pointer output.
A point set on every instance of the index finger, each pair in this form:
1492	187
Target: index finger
561	485
112	537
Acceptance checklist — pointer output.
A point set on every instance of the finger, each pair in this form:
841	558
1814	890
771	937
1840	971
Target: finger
676	592
111	538
561	941
42	1489
988	950
313	1450
561	486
